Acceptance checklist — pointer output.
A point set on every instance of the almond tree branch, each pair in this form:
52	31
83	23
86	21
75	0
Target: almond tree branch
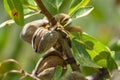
46	12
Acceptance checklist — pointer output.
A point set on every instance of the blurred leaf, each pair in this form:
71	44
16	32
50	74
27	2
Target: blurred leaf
99	53
27	78
74	3
24	2
88	70
82	3
6	23
15	10
116	45
57	6
58	73
5	65
30	6
83	11
10	22
50	7
12	76
65	6
59	3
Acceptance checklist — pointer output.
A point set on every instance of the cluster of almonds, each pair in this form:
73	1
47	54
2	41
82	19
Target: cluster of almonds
46	38
42	35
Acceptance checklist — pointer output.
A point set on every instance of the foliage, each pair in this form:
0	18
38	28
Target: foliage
90	53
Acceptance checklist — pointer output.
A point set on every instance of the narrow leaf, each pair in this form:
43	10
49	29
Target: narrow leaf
24	2
15	10
82	3
50	5
57	6
59	3
82	12
74	3
29	5
65	6
58	73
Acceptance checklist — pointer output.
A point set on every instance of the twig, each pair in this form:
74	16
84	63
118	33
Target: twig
46	12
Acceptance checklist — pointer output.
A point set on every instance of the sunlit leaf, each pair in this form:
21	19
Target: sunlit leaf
84	3
28	5
74	3
15	10
80	4
83	11
99	53
81	55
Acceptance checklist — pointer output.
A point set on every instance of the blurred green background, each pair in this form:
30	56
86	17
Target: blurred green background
103	23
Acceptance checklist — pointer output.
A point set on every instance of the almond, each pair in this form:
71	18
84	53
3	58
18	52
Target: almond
29	29
46	65
43	39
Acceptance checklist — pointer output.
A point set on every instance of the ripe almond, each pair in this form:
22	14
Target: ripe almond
46	66
29	29
43	39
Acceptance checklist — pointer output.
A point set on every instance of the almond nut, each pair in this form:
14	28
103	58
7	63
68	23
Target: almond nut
29	29
43	39
48	62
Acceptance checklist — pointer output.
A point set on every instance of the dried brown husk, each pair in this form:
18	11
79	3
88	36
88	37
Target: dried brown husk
29	29
43	39
47	65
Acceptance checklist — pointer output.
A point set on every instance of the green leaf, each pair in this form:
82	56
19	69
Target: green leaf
24	2
65	6
50	6
12	76
83	11
57	6
81	55
29	5
59	3
74	3
58	73
80	4
15	10
53	5
99	53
